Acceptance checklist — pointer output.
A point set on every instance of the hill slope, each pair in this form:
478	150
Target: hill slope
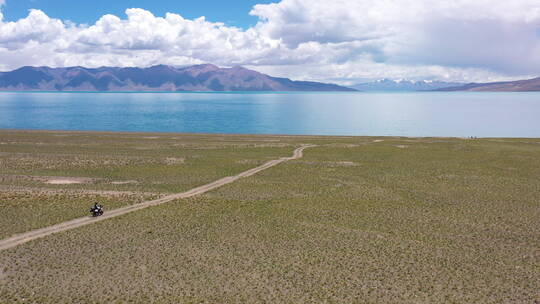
507	86
205	77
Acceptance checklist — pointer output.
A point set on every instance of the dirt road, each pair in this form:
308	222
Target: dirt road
39	233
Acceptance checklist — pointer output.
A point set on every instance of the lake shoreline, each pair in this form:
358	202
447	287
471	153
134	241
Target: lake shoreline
165	133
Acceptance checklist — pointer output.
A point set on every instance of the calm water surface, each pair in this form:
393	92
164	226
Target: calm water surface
403	114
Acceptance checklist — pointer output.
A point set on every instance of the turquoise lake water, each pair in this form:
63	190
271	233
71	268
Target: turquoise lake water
459	114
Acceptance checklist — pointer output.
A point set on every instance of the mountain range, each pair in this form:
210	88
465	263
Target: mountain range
506	86
204	77
403	85
208	77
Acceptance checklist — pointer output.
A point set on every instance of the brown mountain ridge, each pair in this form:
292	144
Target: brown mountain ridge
528	85
204	77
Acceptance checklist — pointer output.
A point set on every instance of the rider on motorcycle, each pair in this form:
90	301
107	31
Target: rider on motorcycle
97	209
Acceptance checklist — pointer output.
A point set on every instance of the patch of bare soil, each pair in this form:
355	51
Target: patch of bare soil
378	140
174	160
402	146
66	181
56	180
124	182
60	180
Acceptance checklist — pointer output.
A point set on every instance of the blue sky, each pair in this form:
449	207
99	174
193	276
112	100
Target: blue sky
342	41
231	12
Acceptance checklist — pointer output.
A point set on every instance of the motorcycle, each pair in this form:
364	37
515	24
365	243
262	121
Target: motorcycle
96	210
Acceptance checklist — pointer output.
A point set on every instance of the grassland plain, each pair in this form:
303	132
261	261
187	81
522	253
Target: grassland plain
357	220
50	177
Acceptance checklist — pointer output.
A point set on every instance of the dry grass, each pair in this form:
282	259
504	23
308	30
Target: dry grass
115	169
443	221
166	163
26	210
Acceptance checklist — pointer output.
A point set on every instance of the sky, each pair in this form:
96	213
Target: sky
230	12
341	41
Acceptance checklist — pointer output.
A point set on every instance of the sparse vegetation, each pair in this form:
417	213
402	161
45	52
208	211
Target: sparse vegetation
150	162
357	220
26	209
45	177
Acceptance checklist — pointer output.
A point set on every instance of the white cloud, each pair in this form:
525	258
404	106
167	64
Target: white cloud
338	40
36	27
503	36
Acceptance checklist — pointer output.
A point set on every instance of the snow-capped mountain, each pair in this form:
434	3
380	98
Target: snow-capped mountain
404	85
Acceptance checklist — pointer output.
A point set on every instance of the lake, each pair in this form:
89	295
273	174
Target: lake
456	114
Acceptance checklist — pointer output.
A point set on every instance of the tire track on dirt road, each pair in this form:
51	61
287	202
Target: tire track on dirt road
42	232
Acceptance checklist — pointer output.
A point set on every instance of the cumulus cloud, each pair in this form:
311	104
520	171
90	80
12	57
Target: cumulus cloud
502	36
339	40
36	27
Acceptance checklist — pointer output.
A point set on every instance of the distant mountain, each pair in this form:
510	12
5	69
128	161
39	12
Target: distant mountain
205	77
403	85
507	86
